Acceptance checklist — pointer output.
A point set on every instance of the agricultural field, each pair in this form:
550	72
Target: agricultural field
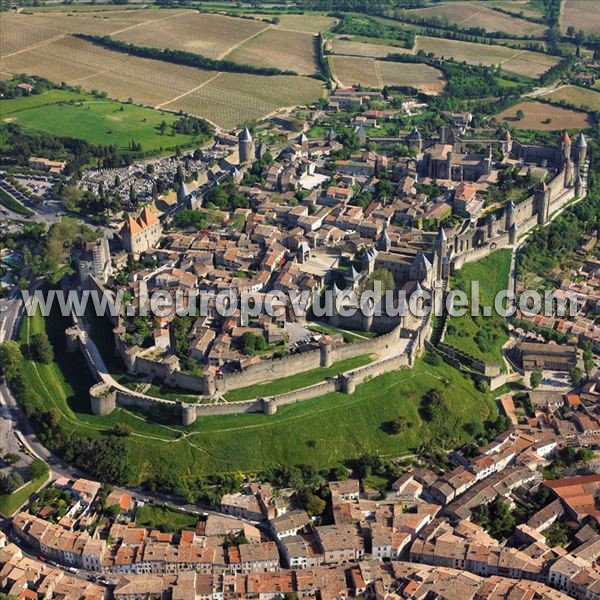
311	23
99	121
376	74
223	98
521	62
581	14
473	14
578	96
19	31
208	34
527	8
321	432
545	117
285	50
351	48
233	98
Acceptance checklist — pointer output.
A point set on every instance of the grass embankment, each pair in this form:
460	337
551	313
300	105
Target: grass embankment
349	336
9	503
164	519
480	336
97	120
295	382
14	205
322	431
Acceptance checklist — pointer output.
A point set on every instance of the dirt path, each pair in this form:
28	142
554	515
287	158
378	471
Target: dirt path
240	44
195	89
35	46
129	27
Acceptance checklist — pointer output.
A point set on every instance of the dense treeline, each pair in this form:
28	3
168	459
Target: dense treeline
19	145
189	125
323	61
552	12
9	88
105	458
370	7
181	57
441	23
559	70
521	15
478	38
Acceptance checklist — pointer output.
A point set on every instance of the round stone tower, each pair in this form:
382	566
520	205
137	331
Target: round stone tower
188	413
103	399
325	348
246	147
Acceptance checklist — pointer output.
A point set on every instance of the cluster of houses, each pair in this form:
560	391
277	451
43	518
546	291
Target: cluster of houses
306	226
403	544
583	285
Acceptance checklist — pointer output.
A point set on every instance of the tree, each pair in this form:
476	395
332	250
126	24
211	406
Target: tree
72	197
535	379
432	405
312	503
11	482
238	222
588	361
10	458
398	425
251	343
41	349
113	511
384	276
495	518
482	385
576	375
122	430
556	534
37	469
11	359
339	473
520	115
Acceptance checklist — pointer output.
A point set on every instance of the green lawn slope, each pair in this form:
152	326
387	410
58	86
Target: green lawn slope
321	432
99	121
482	337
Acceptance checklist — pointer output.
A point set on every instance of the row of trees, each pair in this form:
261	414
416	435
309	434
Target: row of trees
105	458
181	57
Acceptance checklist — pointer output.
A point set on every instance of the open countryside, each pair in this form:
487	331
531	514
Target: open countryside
577	96
99	121
477	14
545	117
369	72
155	83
